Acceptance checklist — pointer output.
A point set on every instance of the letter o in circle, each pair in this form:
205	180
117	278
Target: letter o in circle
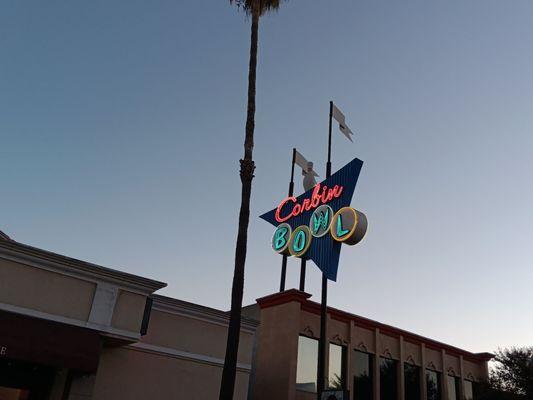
300	241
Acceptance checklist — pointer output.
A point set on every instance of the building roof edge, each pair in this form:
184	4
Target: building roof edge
172	305
3	236
84	268
311	306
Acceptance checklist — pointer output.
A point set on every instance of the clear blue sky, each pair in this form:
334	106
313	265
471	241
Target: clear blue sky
122	124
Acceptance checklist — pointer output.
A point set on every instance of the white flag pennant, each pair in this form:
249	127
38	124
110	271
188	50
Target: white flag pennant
339	117
302	162
308	172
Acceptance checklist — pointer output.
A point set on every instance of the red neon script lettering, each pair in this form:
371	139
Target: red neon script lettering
278	210
318	197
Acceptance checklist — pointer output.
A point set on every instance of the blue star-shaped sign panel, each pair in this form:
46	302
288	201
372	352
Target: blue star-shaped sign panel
324	251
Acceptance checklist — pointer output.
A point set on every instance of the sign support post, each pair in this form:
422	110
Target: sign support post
315	224
284	259
322	344
302	275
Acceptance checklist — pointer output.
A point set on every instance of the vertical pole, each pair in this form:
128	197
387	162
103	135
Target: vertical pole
328	165
401	372
284	258
302	275
444	380
423	379
291	184
377	365
462	373
283	273
322	345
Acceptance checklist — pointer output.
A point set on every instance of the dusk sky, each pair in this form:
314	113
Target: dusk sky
122	123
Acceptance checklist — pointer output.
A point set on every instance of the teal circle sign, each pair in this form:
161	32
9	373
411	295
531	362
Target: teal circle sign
300	241
320	221
280	240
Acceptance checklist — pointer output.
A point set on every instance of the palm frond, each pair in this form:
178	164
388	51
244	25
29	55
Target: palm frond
265	6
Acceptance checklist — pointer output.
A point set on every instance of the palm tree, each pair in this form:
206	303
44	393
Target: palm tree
255	8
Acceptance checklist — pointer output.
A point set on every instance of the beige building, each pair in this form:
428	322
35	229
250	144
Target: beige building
72	330
370	360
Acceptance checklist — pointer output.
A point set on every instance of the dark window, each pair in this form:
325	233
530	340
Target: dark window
337	369
387	379
469	391
476	394
412	382
362	380
433	385
307	366
453	388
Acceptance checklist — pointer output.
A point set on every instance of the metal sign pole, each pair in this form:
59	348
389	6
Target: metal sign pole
298	219
284	259
322	345
302	274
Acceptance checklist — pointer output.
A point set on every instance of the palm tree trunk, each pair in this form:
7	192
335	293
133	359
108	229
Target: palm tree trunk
247	173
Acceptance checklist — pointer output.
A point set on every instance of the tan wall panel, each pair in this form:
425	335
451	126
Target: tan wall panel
338	330
135	375
45	291
388	343
364	338
434	357
412	350
475	370
129	311
278	353
310	322
453	363
194	336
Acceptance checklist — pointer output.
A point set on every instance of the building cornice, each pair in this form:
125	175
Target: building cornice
286	296
107	331
184	355
196	311
3	236
343	316
47	260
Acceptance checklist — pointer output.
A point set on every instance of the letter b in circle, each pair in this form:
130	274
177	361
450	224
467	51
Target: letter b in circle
280	240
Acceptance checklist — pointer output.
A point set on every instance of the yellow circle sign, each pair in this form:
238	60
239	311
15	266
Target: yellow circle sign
300	241
348	226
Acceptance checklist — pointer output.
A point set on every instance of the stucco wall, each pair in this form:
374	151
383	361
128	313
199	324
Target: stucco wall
389	346
129	311
194	335
130	374
363	339
181	357
412	352
475	371
278	347
278	352
45	291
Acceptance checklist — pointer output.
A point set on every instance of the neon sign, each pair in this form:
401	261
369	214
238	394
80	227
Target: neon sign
348	226
300	241
317	198
316	224
280	240
321	220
